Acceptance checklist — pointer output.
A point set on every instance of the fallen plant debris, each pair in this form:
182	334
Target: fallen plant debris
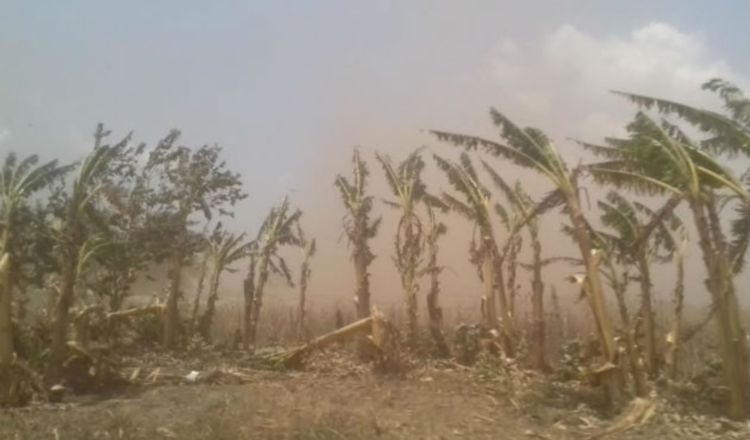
503	390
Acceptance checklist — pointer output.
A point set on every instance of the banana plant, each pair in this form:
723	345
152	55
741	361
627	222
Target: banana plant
530	148
476	207
359	228
19	180
408	189
435	229
631	223
674	337
205	256
77	243
522	205
304	279
617	276
224	249
659	157
280	228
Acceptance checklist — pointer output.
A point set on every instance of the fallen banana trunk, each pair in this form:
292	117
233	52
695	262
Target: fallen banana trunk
637	413
84	312
135	311
381	337
293	358
92	319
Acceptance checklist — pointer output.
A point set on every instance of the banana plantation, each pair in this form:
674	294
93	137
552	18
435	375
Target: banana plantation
79	241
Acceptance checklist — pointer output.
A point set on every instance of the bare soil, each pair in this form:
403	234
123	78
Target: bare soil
303	405
338	397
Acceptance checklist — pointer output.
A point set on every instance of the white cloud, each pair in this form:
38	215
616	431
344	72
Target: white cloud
561	82
574	70
657	57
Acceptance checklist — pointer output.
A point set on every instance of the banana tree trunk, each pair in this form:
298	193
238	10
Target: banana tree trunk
647	313
538	330
62	306
739	337
302	312
408	275
488	276
207	319
258	298
636	370
6	329
674	338
508	331
736	336
198	294
248	290
362	257
119	290
732	339
494	285
171	320
434	311
502	299
363	287
515	248
411	311
557	333
594	289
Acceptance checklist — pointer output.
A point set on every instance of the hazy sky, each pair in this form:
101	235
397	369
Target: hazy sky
288	88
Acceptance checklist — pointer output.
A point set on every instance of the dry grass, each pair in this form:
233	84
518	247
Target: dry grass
436	404
278	326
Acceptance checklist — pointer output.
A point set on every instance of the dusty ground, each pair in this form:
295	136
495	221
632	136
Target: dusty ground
339	398
281	406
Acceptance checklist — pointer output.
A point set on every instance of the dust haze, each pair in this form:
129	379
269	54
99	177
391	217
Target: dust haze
168	285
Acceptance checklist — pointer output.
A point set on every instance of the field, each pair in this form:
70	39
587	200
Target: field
337	397
282	406
134	304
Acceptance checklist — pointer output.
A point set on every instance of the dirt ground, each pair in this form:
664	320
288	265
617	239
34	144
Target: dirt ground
303	405
339	398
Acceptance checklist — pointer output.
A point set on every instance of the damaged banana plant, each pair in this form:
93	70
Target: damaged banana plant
639	237
660	157
530	148
435	230
279	229
224	249
304	280
381	338
522	206
408	189
359	228
19	180
476	207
